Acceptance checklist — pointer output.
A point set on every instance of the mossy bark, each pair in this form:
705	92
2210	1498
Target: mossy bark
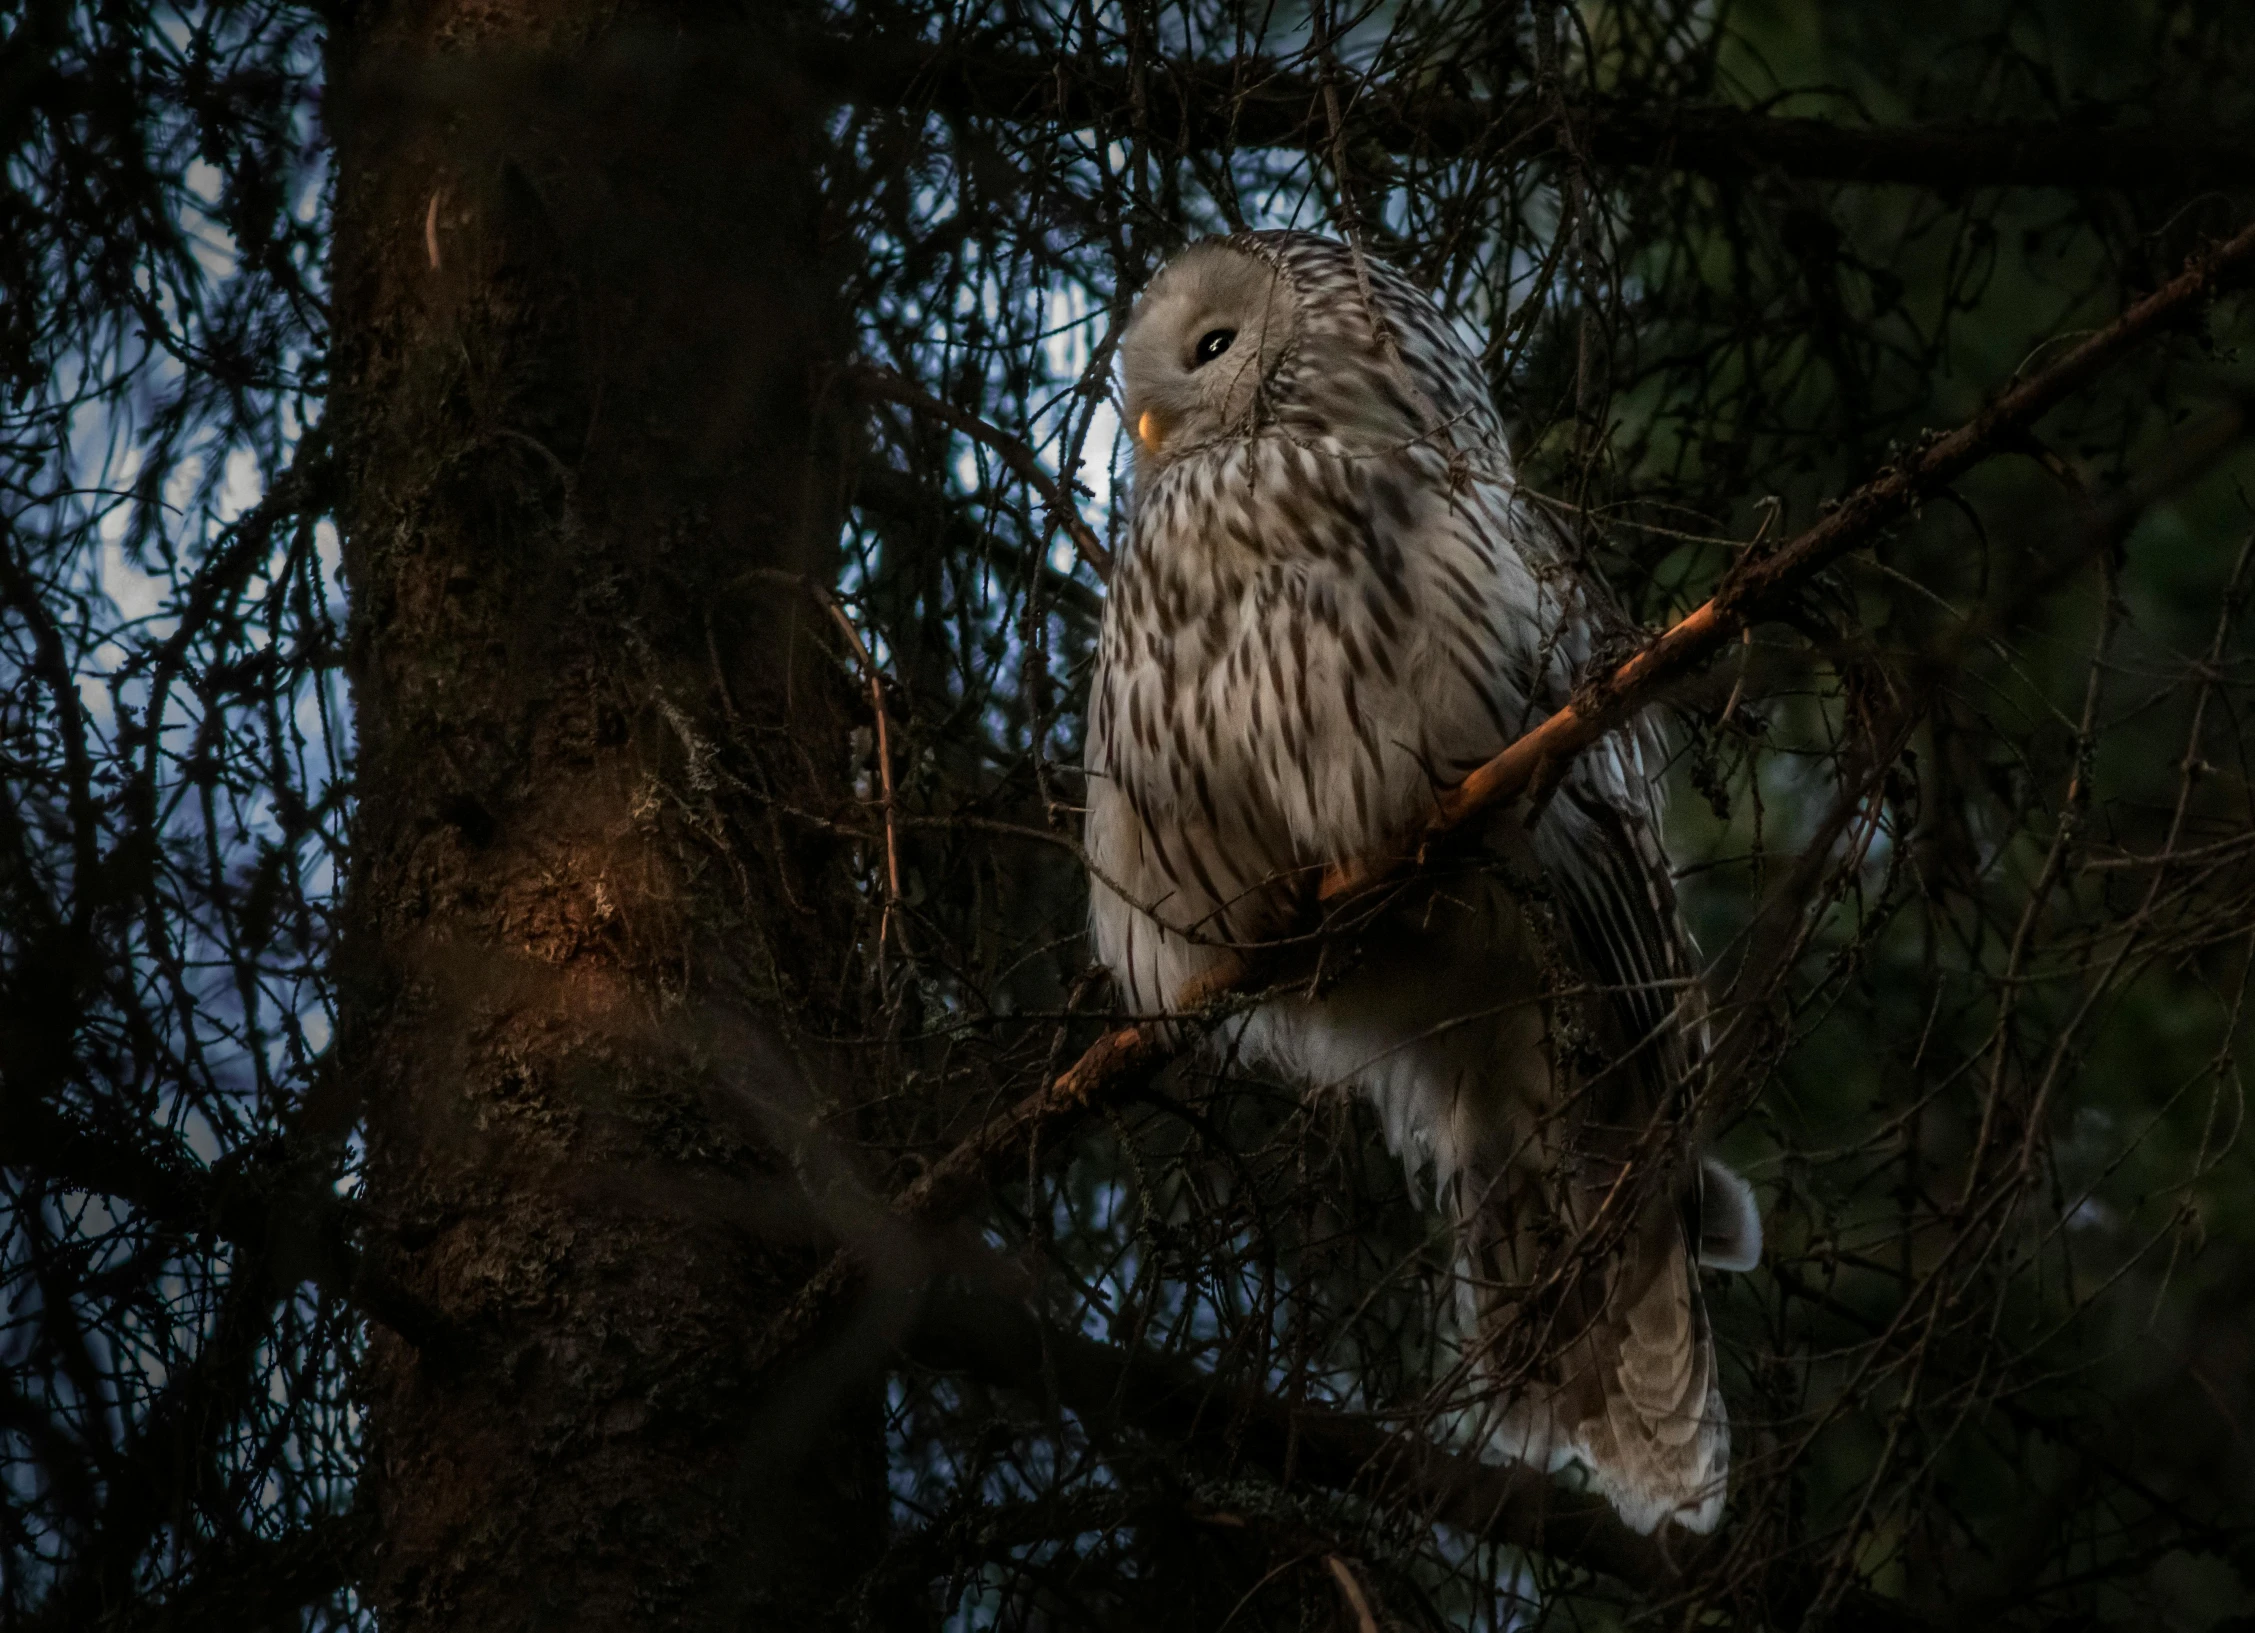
585	292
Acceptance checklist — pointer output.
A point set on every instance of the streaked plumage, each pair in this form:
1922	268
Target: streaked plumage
1332	600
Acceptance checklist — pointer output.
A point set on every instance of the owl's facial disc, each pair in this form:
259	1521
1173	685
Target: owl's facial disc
1203	338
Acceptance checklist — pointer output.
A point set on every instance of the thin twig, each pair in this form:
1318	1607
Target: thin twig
876	681
1351	1591
885	383
1772	509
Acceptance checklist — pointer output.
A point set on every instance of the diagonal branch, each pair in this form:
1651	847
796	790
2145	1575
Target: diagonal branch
1760	585
1117	1065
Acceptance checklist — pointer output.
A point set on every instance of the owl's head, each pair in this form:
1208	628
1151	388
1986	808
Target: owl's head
1205	335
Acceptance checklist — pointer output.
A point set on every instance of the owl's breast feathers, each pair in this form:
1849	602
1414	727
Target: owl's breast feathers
1301	643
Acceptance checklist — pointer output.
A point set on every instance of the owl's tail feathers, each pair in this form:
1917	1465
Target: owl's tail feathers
1652	1431
1612	1366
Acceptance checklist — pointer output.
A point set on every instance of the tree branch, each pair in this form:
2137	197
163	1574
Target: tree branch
1005	1344
244	1581
1112	1068
1256	103
272	1205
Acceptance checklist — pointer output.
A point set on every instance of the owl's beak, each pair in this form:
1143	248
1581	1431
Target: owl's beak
1148	432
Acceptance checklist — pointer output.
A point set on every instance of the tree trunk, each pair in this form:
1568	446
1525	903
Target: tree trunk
584	294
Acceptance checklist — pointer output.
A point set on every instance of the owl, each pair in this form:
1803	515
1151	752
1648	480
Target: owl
1333	601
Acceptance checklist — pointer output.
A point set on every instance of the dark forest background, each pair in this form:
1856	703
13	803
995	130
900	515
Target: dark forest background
549	556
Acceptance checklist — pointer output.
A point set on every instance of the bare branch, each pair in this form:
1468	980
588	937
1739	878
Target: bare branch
1114	1067
1254	103
1003	1343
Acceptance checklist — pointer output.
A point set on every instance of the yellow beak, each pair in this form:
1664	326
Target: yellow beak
1147	430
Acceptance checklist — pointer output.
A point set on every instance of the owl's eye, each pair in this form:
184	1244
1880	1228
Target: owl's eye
1211	345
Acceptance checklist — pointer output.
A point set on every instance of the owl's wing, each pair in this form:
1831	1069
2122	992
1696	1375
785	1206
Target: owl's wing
1616	887
1636	1392
1600	849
